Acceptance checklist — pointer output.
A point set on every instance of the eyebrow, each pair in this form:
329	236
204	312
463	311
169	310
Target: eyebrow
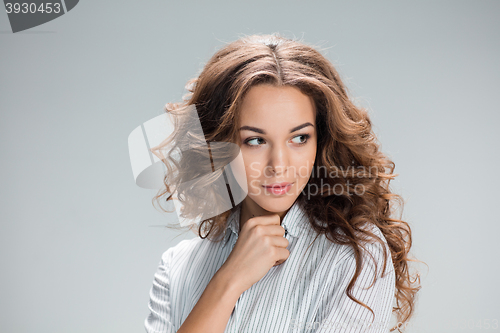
261	131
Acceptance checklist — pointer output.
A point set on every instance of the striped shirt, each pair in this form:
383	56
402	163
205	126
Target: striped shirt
306	293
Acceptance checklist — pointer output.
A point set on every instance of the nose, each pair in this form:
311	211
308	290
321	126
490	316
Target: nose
278	161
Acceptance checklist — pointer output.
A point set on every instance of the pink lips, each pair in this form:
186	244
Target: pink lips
278	188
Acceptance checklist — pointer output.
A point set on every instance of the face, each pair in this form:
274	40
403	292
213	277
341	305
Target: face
277	134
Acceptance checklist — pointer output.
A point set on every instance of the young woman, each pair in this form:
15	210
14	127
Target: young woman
313	247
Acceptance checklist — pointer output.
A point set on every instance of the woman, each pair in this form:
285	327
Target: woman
313	247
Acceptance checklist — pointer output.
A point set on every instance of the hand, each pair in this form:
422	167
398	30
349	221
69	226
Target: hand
259	247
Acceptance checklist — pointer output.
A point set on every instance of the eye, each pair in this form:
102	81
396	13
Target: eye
250	140
305	136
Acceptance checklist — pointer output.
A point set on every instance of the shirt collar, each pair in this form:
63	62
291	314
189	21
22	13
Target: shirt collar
294	222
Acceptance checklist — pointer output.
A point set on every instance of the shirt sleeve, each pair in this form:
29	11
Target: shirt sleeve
160	316
341	314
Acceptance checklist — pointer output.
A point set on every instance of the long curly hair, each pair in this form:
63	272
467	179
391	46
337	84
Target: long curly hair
345	142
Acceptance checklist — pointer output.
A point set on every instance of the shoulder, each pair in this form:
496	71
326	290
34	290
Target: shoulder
188	253
184	247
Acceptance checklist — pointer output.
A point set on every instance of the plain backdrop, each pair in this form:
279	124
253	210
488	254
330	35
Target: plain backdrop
80	241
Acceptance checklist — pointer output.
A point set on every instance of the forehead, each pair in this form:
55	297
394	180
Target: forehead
265	104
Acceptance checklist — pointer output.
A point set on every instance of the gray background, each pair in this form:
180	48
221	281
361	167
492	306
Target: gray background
78	250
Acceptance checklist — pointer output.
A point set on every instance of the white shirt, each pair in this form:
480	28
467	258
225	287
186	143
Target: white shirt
306	293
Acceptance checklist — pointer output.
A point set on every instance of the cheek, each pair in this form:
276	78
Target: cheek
253	170
305	169
253	166
253	175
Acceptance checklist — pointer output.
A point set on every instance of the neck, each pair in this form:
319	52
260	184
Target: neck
251	209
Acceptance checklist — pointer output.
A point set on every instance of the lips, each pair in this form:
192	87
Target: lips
277	185
278	188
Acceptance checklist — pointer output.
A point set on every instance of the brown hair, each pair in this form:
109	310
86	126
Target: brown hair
345	142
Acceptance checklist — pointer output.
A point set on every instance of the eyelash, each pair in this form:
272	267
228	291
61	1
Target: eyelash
307	136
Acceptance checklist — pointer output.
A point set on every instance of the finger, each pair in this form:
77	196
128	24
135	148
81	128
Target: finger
265	220
279	262
276	230
271	229
280	242
283	254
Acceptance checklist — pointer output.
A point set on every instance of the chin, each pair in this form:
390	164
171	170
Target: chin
274	204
